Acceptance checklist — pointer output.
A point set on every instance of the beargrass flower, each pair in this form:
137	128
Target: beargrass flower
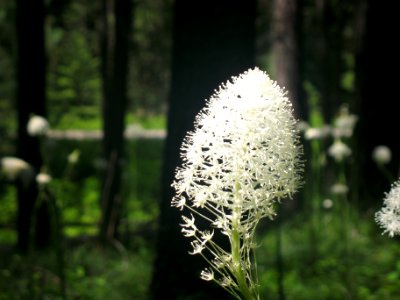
327	203
317	133
339	150
382	155
344	124
43	179
242	157
389	216
339	189
14	169
37	126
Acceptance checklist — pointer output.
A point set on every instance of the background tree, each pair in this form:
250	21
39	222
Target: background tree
376	58
285	47
31	96
117	17
212	40
324	49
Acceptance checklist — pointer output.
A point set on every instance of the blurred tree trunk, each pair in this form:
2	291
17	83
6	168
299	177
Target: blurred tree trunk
323	38
212	40
31	77
286	27
116	21
376	60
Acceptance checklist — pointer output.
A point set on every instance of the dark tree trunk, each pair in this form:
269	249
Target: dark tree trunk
322	49
117	17
31	69
213	40
285	47
376	60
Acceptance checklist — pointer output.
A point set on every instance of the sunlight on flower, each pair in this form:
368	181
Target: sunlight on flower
243	157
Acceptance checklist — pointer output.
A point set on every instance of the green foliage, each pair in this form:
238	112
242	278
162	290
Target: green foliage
107	274
144	164
150	59
88	118
7	69
147	121
8	212
92	273
367	268
75	81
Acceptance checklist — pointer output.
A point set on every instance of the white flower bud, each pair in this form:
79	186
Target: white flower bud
339	150
327	203
344	123
317	133
73	157
382	155
37	126
14	169
339	189
43	179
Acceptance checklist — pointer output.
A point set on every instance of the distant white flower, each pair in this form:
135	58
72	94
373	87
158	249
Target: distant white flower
73	157
43	179
389	216
344	123
382	155
327	203
339	150
302	126
14	169
314	133
242	157
37	126
339	189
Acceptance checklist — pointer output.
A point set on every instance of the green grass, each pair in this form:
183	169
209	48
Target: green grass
89	118
367	266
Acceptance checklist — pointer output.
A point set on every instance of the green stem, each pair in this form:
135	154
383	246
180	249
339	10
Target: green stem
238	271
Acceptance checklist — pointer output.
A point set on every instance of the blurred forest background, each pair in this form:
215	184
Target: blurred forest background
120	81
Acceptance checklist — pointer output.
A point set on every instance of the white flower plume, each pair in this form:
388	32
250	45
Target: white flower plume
242	157
389	216
245	140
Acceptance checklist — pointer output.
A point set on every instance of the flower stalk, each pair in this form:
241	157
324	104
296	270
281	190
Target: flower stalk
242	158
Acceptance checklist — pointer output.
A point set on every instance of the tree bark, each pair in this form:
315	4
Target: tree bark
117	19
285	48
31	99
212	40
